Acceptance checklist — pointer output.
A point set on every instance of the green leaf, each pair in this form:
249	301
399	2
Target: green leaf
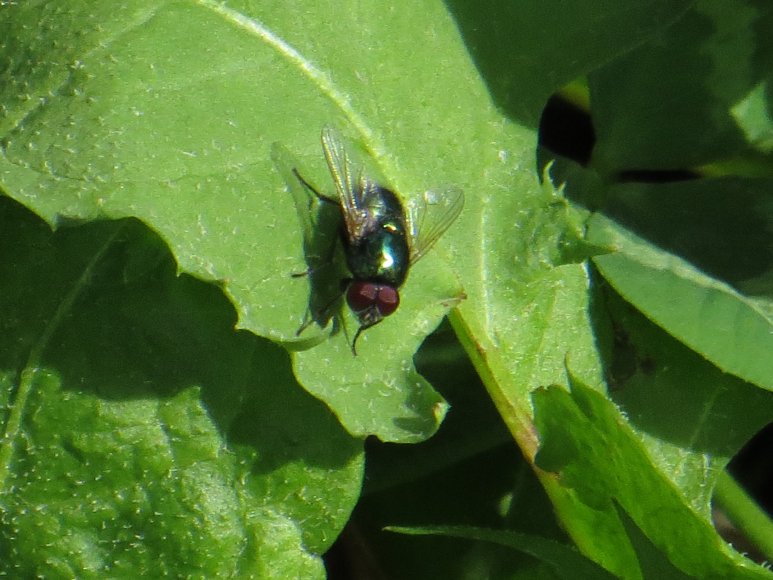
521	48
692	416
686	99
167	113
581	431
711	317
142	433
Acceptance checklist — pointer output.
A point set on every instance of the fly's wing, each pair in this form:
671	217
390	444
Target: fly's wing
320	222
350	183
303	199
431	216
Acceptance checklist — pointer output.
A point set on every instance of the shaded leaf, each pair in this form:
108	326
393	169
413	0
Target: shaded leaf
142	433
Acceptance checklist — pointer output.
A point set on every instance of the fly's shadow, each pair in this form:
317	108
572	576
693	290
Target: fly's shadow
321	224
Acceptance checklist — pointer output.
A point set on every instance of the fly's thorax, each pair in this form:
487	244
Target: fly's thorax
382	203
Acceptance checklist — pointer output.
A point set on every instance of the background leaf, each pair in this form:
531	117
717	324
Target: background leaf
725	326
701	87
142	432
646	495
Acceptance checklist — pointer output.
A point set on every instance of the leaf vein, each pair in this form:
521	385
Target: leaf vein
32	366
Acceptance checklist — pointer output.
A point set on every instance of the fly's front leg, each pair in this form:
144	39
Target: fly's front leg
314	190
327	260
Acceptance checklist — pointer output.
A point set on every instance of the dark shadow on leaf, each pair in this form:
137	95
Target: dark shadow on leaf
320	226
138	331
521	49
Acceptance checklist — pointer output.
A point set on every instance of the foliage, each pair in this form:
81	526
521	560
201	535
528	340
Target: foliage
161	415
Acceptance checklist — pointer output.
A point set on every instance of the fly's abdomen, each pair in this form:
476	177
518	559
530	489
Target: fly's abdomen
382	257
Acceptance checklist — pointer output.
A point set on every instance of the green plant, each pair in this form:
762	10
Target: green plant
152	418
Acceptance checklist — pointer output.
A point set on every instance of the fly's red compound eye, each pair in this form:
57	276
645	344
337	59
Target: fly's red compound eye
362	296
388	300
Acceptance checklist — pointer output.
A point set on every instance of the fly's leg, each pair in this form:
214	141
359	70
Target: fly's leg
309	318
314	190
325	261
311	271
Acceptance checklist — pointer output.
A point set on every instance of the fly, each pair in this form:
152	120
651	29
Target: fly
381	238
